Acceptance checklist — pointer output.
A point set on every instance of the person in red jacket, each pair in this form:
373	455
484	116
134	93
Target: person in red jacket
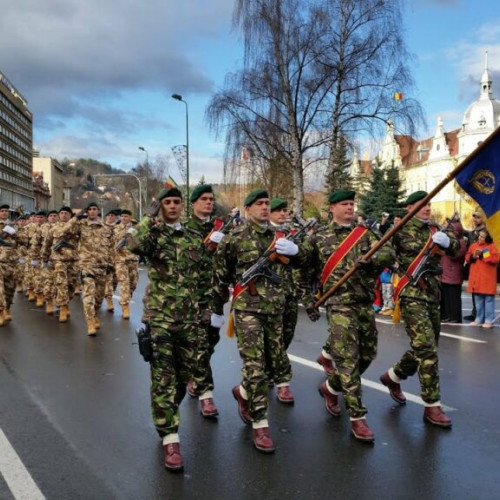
483	258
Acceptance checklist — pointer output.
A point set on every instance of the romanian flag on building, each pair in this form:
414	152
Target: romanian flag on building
170	183
398	96
480	179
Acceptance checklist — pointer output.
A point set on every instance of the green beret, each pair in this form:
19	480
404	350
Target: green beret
172	192
42	212
111	212
199	190
341	195
126	212
255	195
52	212
66	209
5	207
414	197
277	203
90	205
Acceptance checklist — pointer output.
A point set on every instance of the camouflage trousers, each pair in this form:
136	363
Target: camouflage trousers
38	279
66	278
48	281
110	284
94	281
290	319
422	321
127	275
19	273
202	377
175	354
260	344
28	275
352	343
7	284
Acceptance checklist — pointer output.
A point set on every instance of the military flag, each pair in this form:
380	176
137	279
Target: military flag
170	183
478	178
398	96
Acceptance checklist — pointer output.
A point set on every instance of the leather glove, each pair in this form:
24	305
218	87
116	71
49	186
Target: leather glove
286	247
9	229
206	318
441	239
363	263
312	312
82	215
216	320
109	269
216	236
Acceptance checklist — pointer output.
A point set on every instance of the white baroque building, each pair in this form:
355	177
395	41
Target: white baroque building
425	163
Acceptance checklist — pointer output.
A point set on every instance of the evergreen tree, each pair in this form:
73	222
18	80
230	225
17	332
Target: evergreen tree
339	176
394	192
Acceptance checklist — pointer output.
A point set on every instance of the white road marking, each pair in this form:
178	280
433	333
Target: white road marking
368	383
15	474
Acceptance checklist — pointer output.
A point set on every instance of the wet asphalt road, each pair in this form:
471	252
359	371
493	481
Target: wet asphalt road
76	412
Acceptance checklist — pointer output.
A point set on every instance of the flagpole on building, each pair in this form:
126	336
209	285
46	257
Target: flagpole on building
418	205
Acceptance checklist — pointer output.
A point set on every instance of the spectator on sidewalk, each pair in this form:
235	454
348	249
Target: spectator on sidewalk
452	279
483	258
387	292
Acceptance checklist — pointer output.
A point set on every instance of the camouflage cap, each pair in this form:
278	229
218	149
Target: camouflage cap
277	203
341	195
255	195
199	190
414	197
172	192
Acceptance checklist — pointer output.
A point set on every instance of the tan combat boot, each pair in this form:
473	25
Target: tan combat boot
63	314
19	288
91	330
31	295
109	304
126	311
49	306
39	300
2	318
97	323
6	315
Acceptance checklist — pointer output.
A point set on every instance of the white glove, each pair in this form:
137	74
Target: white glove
216	320
9	229
441	239
131	230
34	263
21	261
216	236
286	247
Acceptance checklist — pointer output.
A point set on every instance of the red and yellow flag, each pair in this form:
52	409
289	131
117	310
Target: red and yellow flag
170	183
398	96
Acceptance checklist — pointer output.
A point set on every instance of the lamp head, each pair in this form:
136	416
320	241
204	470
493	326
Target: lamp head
177	97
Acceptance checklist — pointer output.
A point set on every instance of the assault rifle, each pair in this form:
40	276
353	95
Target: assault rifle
262	266
222	227
62	243
424	267
121	244
4	243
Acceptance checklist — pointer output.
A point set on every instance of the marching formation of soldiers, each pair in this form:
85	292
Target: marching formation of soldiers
52	255
262	266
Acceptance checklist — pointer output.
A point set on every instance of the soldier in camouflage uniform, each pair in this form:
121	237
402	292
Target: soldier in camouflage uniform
34	253
258	318
278	216
111	221
60	248
201	384
126	263
94	260
173	256
8	261
419	304
352	341
22	251
29	278
47	265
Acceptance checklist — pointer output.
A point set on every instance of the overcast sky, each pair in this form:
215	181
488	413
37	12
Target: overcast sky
98	74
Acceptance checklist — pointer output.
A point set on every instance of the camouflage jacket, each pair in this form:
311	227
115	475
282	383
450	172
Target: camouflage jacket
36	240
95	242
360	287
22	241
8	250
173	257
57	236
236	253
408	242
120	251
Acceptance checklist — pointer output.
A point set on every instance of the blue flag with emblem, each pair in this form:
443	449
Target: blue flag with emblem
478	178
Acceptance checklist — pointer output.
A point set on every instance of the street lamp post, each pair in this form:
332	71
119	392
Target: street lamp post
127	175
147	173
178	97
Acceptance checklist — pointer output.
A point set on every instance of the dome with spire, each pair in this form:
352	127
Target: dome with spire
483	114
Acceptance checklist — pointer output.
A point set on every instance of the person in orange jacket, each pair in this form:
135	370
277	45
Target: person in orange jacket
483	258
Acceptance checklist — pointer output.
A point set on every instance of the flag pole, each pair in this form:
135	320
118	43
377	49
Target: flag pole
418	205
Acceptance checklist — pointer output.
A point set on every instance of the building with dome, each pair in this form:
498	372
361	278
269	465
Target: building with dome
425	163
